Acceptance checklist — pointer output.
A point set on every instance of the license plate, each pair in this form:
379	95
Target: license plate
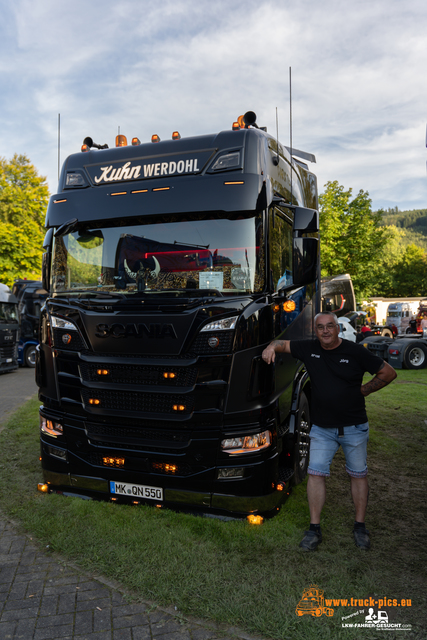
136	490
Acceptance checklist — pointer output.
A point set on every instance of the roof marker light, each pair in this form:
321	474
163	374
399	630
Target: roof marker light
85	148
136	141
155	138
176	135
241	121
121	141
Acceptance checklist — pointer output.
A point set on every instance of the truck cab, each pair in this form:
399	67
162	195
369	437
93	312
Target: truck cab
170	266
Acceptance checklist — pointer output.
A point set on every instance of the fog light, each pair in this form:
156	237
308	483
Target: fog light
169	375
94	401
230	472
255	519
102	372
57	453
44	488
178	407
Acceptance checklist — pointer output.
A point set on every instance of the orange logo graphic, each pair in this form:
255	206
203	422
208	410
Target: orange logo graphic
313	603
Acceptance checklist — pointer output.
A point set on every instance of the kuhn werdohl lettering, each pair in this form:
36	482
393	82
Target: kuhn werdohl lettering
149	170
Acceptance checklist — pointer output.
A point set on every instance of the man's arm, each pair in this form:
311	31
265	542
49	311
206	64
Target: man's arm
383	377
277	346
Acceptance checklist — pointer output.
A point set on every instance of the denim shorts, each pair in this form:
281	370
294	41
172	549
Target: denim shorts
324	443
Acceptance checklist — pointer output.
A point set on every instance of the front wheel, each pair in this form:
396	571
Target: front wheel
415	356
30	356
302	444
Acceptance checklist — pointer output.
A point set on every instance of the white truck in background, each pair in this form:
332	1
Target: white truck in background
399	316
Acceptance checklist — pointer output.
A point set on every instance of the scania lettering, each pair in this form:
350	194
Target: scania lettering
170	266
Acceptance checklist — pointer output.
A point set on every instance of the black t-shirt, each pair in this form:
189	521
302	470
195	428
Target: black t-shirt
336	377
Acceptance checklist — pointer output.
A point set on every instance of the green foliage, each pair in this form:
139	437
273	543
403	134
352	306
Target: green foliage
23	200
350	236
232	572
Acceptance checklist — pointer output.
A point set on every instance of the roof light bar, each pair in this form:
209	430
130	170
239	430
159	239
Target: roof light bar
155	138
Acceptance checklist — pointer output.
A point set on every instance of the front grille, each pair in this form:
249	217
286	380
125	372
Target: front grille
139	374
7	352
134	401
116	431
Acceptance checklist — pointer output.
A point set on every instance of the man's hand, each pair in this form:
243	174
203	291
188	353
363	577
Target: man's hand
281	346
384	376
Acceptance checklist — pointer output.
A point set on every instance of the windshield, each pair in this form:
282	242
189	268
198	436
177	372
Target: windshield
8	313
223	254
393	314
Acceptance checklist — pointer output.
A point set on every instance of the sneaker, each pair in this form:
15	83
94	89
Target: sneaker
310	541
361	538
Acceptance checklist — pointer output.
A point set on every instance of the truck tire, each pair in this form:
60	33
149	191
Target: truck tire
415	356
387	332
30	356
302	443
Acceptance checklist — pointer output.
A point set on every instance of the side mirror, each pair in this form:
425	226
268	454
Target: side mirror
305	260
47	245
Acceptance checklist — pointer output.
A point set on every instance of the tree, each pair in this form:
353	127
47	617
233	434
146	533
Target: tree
410	273
24	197
351	237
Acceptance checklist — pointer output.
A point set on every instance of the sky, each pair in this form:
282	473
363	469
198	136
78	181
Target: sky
359	95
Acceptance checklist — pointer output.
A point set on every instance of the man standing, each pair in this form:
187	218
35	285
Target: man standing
336	368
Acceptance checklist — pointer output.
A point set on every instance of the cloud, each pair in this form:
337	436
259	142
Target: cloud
359	101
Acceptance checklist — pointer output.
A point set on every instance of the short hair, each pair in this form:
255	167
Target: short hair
326	313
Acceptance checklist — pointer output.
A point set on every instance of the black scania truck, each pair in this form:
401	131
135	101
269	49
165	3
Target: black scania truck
170	265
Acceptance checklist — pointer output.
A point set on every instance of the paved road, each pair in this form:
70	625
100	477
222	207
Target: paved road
15	389
44	597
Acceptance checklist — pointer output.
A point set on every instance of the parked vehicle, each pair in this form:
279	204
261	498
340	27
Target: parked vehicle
31	297
347	331
337	294
8	330
399	316
170	266
405	352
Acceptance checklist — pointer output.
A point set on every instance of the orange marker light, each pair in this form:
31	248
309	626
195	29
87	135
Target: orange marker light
121	141
94	401
155	138
255	519
136	141
289	305
178	407
176	135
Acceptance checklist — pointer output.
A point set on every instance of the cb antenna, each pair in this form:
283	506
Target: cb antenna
290	128
276	159
59	143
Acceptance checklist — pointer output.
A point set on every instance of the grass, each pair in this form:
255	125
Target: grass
248	576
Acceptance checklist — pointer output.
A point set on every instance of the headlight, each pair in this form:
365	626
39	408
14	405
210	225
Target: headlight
247	444
227	324
50	427
60	323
